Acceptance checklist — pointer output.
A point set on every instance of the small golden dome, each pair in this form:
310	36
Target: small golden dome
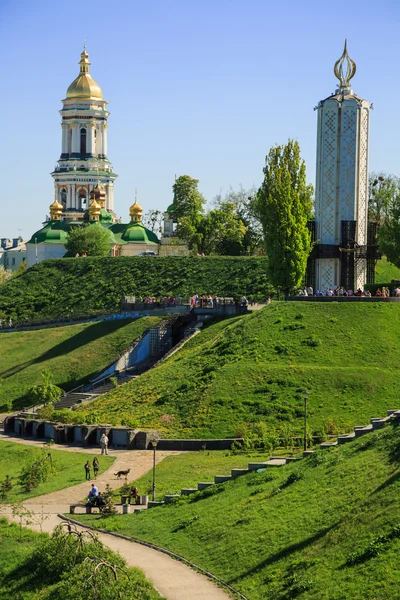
136	212
55	211
94	207
84	87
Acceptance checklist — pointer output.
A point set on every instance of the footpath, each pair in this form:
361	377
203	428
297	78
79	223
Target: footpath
172	579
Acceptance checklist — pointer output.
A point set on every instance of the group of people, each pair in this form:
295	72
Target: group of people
96	498
204	301
9	323
88	468
341	291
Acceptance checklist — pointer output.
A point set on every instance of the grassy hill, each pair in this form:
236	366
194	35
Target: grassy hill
385	271
252	369
73	354
325	528
81	286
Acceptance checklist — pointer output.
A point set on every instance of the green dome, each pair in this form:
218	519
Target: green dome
133	233
54	232
170	209
105	216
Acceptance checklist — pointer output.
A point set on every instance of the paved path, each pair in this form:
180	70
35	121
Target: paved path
172	579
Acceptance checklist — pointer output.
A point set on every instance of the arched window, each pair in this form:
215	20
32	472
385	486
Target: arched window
83	142
82	195
63	198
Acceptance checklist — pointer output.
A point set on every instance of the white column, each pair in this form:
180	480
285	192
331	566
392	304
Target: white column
105	139
110	196
89	140
73	195
69	199
63	138
100	140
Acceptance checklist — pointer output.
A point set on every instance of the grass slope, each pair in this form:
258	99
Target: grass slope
68	468
36	567
325	528
252	368
77	286
386	271
73	354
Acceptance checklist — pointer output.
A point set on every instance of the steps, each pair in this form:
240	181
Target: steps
73	398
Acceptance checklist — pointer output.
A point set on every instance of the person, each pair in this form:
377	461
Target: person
87	470
10	323
99	500
95	467
134	493
94	492
104	444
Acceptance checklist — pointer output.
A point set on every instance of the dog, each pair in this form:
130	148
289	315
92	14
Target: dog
119	474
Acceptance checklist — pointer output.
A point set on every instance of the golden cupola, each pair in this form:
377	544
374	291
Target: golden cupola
99	194
84	87
56	210
136	212
94	211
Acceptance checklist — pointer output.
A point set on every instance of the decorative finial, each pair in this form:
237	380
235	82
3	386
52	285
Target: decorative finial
84	44
135	194
345	74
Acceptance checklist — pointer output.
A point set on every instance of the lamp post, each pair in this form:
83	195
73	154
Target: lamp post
154	444
305	395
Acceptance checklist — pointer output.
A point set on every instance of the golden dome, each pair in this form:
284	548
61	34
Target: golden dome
94	210
84	87
55	211
136	212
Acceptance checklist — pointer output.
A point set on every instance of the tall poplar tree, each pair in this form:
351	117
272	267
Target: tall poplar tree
283	205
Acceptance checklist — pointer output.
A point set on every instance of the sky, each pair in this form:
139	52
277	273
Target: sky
202	88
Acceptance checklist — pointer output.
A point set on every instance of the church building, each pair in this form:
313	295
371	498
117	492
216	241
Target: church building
84	179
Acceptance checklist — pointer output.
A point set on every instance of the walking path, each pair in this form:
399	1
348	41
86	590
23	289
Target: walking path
172	579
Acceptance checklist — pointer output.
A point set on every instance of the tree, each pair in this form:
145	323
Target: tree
46	392
221	231
383	190
21	269
188	201
91	239
243	201
283	205
153	220
389	232
5	274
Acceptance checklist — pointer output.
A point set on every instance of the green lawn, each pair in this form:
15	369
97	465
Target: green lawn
325	528
187	469
252	369
36	566
68	468
385	271
72	353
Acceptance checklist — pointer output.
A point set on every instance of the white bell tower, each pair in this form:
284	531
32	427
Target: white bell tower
83	162
341	192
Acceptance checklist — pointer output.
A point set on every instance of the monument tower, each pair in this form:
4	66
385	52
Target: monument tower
342	233
83	165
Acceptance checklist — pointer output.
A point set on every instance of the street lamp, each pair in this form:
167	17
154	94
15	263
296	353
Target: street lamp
154	444
305	394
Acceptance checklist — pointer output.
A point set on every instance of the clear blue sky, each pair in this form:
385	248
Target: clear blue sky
202	88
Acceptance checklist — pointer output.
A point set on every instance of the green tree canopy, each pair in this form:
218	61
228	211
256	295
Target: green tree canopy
91	239
383	189
45	392
188	201
5	274
283	205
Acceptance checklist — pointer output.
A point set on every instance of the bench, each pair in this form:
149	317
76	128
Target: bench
142	500
88	508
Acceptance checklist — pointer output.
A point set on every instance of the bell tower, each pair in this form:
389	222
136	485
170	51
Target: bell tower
83	162
341	191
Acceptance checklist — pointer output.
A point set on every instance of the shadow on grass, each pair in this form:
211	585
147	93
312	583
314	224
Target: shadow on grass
285	552
392	479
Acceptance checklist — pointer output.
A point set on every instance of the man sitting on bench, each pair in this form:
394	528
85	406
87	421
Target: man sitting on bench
134	493
92	496
99	501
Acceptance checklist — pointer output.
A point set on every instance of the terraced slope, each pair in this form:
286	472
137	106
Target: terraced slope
253	368
324	528
73	354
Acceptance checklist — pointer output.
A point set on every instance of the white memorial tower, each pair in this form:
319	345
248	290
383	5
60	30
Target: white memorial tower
341	193
83	164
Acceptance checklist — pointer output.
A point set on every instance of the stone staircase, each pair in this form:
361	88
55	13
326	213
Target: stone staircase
82	394
279	461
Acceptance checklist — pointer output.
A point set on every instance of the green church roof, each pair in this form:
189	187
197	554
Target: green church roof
170	208
54	232
133	233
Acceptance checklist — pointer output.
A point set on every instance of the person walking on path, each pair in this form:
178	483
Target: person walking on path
95	467
104	444
87	470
